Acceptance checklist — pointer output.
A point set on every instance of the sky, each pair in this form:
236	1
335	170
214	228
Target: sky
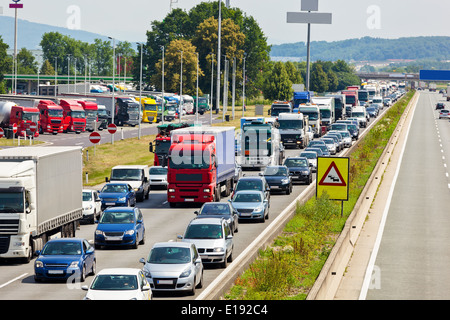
129	20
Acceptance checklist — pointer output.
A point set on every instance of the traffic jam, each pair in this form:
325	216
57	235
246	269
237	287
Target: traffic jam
229	173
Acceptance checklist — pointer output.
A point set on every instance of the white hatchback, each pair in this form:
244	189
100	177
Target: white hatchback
119	284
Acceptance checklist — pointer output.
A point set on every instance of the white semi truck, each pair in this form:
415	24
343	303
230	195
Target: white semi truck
293	129
40	195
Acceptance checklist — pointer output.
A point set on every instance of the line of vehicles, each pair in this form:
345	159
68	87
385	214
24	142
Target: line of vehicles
199	165
78	113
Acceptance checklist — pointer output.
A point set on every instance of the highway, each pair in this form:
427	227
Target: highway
162	224
413	251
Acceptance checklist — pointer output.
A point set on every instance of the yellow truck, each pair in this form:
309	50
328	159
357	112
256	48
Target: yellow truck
151	112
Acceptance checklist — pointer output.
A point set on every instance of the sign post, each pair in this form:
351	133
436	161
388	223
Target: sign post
309	18
95	138
333	178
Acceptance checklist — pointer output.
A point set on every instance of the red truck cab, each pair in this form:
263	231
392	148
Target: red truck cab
91	110
23	117
51	117
74	116
351	97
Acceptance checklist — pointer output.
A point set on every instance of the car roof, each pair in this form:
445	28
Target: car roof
66	240
119	271
172	244
251	178
120	209
206	221
249	191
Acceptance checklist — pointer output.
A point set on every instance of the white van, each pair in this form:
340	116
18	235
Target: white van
360	114
137	176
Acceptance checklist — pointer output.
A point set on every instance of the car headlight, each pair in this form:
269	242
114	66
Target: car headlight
207	190
74	264
259	209
218	249
38	264
305	172
99	233
171	190
123	199
88	207
185	273
285	181
129	232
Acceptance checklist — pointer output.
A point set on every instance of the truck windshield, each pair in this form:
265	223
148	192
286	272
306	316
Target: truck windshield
162	147
55	113
358	114
300	101
150	107
126	174
91	114
325	113
312	115
30	116
78	114
133	107
274	112
290	124
180	159
11	202
350	99
102	112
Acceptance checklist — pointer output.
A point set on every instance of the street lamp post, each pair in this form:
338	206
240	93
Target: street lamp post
113	110
56	75
212	87
196	109
218	56
68	72
243	89
181	88
140	97
163	100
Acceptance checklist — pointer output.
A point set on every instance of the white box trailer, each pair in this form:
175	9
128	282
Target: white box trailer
40	195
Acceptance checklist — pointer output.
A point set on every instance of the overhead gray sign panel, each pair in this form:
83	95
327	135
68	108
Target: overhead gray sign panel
310	5
309	17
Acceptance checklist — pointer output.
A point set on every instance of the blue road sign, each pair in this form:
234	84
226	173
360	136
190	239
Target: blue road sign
435	75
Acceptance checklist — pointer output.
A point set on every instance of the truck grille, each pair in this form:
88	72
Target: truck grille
188	177
78	123
4	244
9	226
55	121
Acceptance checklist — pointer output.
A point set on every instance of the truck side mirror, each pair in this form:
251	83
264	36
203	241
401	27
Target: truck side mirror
150	147
106	179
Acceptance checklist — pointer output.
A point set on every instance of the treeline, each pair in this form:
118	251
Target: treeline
325	76
368	48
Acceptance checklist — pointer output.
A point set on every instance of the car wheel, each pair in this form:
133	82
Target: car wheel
143	239
200	284
83	274
136	243
94	268
192	292
224	264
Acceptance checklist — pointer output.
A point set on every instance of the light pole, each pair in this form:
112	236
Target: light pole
163	100
56	75
243	88
140	97
218	56
196	109
181	88
68	73
113	110
212	87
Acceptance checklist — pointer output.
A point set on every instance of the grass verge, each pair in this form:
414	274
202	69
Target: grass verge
288	268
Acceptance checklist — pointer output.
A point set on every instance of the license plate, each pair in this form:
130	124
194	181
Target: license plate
110	203
114	238
187	200
245	214
165	281
55	271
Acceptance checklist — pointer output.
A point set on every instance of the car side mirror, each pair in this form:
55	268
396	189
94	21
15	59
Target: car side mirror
142	260
229	237
196	212
85	288
38	252
146	287
180	237
106	179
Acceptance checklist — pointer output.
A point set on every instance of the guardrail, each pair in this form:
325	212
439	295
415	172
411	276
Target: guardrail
224	281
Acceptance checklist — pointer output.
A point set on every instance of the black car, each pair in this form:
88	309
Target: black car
299	169
220	210
278	178
372	111
440	105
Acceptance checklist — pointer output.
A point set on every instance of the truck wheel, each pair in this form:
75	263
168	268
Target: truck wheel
172	204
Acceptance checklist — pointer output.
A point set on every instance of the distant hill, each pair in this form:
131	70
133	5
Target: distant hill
370	49
30	33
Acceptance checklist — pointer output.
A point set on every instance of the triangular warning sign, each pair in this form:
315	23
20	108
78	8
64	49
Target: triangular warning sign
332	177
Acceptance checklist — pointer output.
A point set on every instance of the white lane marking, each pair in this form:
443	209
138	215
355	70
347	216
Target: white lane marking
10	281
373	256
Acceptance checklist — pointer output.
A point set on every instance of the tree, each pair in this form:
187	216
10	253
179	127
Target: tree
26	63
318	78
278	86
293	73
5	63
172	68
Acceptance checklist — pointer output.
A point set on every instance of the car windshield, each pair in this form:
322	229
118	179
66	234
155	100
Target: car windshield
249	185
169	255
115	282
114	188
204	231
247	197
158	171
126	174
87	196
62	248
112	217
296	163
309	155
275	171
215	208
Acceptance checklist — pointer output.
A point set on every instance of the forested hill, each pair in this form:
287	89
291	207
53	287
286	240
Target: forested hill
367	48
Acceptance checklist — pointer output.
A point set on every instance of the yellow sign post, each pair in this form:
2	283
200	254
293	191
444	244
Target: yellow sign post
333	177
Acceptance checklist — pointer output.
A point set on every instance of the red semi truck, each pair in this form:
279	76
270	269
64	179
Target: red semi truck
91	109
12	114
51	117
201	164
74	116
351	97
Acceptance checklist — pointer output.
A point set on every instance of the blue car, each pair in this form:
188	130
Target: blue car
120	227
117	194
64	258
